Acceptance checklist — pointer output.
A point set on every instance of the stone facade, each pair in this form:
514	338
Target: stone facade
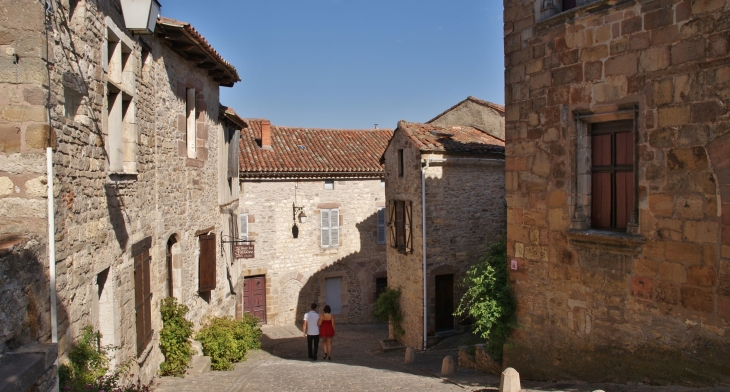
113	197
649	303
465	212
296	268
474	112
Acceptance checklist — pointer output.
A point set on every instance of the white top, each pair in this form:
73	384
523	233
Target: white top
311	318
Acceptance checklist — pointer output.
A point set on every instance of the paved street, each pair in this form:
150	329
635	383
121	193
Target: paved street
357	365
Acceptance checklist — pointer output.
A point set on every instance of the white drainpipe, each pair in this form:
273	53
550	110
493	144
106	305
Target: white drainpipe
423	250
52	248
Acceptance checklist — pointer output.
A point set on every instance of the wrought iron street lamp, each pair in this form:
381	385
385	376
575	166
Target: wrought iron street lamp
140	16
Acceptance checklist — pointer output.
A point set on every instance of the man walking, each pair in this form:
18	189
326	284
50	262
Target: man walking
311	331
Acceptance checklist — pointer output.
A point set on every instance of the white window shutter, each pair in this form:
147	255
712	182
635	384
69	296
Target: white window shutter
381	225
334	227
325	226
244	227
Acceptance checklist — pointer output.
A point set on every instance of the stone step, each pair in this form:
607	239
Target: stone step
198	365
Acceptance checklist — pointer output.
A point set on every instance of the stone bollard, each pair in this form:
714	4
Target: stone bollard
447	366
410	355
510	381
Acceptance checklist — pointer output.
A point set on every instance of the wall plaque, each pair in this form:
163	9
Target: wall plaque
243	251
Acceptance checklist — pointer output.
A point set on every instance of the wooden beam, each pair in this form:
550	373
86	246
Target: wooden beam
182	46
207	65
197	58
216	73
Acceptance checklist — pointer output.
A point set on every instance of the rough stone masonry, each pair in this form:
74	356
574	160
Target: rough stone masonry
649	302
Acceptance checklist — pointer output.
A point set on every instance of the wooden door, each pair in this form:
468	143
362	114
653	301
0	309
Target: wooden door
254	296
333	294
444	302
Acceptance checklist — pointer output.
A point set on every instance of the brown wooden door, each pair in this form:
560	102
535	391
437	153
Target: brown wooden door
254	296
444	302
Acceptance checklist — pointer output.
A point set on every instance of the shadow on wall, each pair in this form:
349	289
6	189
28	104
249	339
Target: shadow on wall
117	214
25	296
356	272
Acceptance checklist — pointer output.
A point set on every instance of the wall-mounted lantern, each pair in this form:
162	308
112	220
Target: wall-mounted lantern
302	217
140	16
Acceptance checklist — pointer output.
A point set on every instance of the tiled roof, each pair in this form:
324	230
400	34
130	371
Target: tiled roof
482	102
230	115
458	139
302	151
182	33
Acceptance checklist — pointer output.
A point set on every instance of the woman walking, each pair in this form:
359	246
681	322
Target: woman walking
327	331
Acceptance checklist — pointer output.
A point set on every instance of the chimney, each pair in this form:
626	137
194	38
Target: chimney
266	134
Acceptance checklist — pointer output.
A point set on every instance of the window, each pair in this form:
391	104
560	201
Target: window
381	225
400	163
400	219
329	184
612	174
207	263
143	300
119	120
330	227
243	233
190	129
380	285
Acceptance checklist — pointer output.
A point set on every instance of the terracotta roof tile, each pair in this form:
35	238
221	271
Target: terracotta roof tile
311	151
458	139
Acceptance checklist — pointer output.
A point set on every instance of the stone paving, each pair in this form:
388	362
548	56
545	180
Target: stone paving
358	365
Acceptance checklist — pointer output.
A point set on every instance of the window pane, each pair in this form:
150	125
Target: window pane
601	200
624	198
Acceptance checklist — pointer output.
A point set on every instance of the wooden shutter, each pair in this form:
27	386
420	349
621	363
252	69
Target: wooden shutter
334	227
391	223
244	226
233	138
624	198
381	225
400	231
325	228
207	263
142	300
408	226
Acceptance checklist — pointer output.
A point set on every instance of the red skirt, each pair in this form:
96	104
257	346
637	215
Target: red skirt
326	330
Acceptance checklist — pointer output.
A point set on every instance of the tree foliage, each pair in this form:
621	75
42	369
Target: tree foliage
488	299
387	308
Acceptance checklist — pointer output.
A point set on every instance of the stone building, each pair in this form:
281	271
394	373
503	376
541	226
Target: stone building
144	172
456	176
312	201
474	112
618	184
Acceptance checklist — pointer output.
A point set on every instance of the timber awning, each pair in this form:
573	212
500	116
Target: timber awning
184	40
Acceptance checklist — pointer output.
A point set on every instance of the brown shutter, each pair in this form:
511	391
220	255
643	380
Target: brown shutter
207	264
409	226
142	300
601	199
391	223
624	198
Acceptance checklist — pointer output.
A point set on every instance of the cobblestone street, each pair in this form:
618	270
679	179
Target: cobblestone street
358	365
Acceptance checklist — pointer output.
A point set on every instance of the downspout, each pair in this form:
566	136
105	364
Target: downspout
51	205
423	247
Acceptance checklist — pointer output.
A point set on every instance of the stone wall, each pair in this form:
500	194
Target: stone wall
405	270
473	114
296	268
653	306
101	215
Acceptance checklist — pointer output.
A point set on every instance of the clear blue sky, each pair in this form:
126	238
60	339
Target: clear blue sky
352	64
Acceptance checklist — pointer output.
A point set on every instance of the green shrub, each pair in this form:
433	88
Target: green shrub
387	308
489	300
226	340
88	368
175	338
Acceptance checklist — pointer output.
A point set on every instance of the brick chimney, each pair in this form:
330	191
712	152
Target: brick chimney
266	134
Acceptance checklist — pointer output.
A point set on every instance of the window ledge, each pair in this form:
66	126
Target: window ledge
617	242
577	12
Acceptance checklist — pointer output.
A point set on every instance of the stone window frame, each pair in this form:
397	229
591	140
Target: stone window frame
191	131
581	194
119	117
